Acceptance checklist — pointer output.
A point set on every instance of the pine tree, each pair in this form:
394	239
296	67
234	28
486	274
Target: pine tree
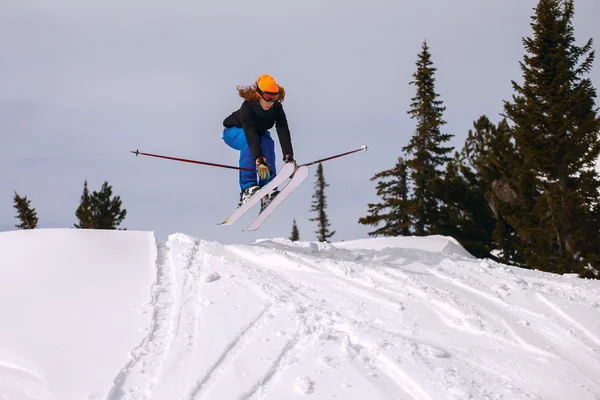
556	132
85	211
464	213
467	210
319	205
489	152
107	209
392	211
100	210
295	236
25	213
426	144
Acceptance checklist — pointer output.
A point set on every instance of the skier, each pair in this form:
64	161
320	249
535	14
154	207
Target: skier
247	130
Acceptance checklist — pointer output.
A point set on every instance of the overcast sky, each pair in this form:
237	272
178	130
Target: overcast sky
83	83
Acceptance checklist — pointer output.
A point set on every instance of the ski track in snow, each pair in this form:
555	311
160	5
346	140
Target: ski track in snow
299	313
497	325
135	381
228	353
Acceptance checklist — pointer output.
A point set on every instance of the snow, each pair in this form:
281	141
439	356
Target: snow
90	314
72	305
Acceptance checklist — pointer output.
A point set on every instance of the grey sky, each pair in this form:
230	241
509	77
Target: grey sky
82	84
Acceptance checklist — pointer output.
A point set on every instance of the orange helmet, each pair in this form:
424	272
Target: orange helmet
266	83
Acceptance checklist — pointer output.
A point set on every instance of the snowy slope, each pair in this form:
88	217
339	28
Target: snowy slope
111	315
72	305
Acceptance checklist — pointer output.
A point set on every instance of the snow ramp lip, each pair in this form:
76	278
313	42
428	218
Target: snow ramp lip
440	244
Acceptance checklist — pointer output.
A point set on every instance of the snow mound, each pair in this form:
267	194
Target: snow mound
210	277
117	315
73	305
434	243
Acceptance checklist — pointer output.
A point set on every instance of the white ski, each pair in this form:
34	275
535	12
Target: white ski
284	173
299	177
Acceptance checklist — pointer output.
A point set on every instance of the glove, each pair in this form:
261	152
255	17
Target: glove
262	169
288	158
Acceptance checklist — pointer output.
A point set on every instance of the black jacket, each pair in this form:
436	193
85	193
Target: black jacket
255	121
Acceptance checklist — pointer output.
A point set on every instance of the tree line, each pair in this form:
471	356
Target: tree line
523	190
96	210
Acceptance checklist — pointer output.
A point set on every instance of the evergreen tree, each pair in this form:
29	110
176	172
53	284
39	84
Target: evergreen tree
464	213
426	144
392	211
319	205
25	213
100	210
85	211
556	132
295	236
107	209
467	210
490	153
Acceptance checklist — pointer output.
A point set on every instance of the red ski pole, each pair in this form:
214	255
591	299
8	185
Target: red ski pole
362	148
137	153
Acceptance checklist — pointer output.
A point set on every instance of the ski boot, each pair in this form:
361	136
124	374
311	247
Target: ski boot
265	201
247	193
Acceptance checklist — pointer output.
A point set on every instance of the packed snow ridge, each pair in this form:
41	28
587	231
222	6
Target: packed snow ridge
113	315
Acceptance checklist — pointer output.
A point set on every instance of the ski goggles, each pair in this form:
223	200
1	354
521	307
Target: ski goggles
270	97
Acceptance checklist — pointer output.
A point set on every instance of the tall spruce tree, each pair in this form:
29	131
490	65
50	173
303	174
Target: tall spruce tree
25	213
295	236
556	132
99	210
319	205
392	211
426	144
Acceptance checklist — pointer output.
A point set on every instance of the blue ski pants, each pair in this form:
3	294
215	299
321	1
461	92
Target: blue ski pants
235	138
